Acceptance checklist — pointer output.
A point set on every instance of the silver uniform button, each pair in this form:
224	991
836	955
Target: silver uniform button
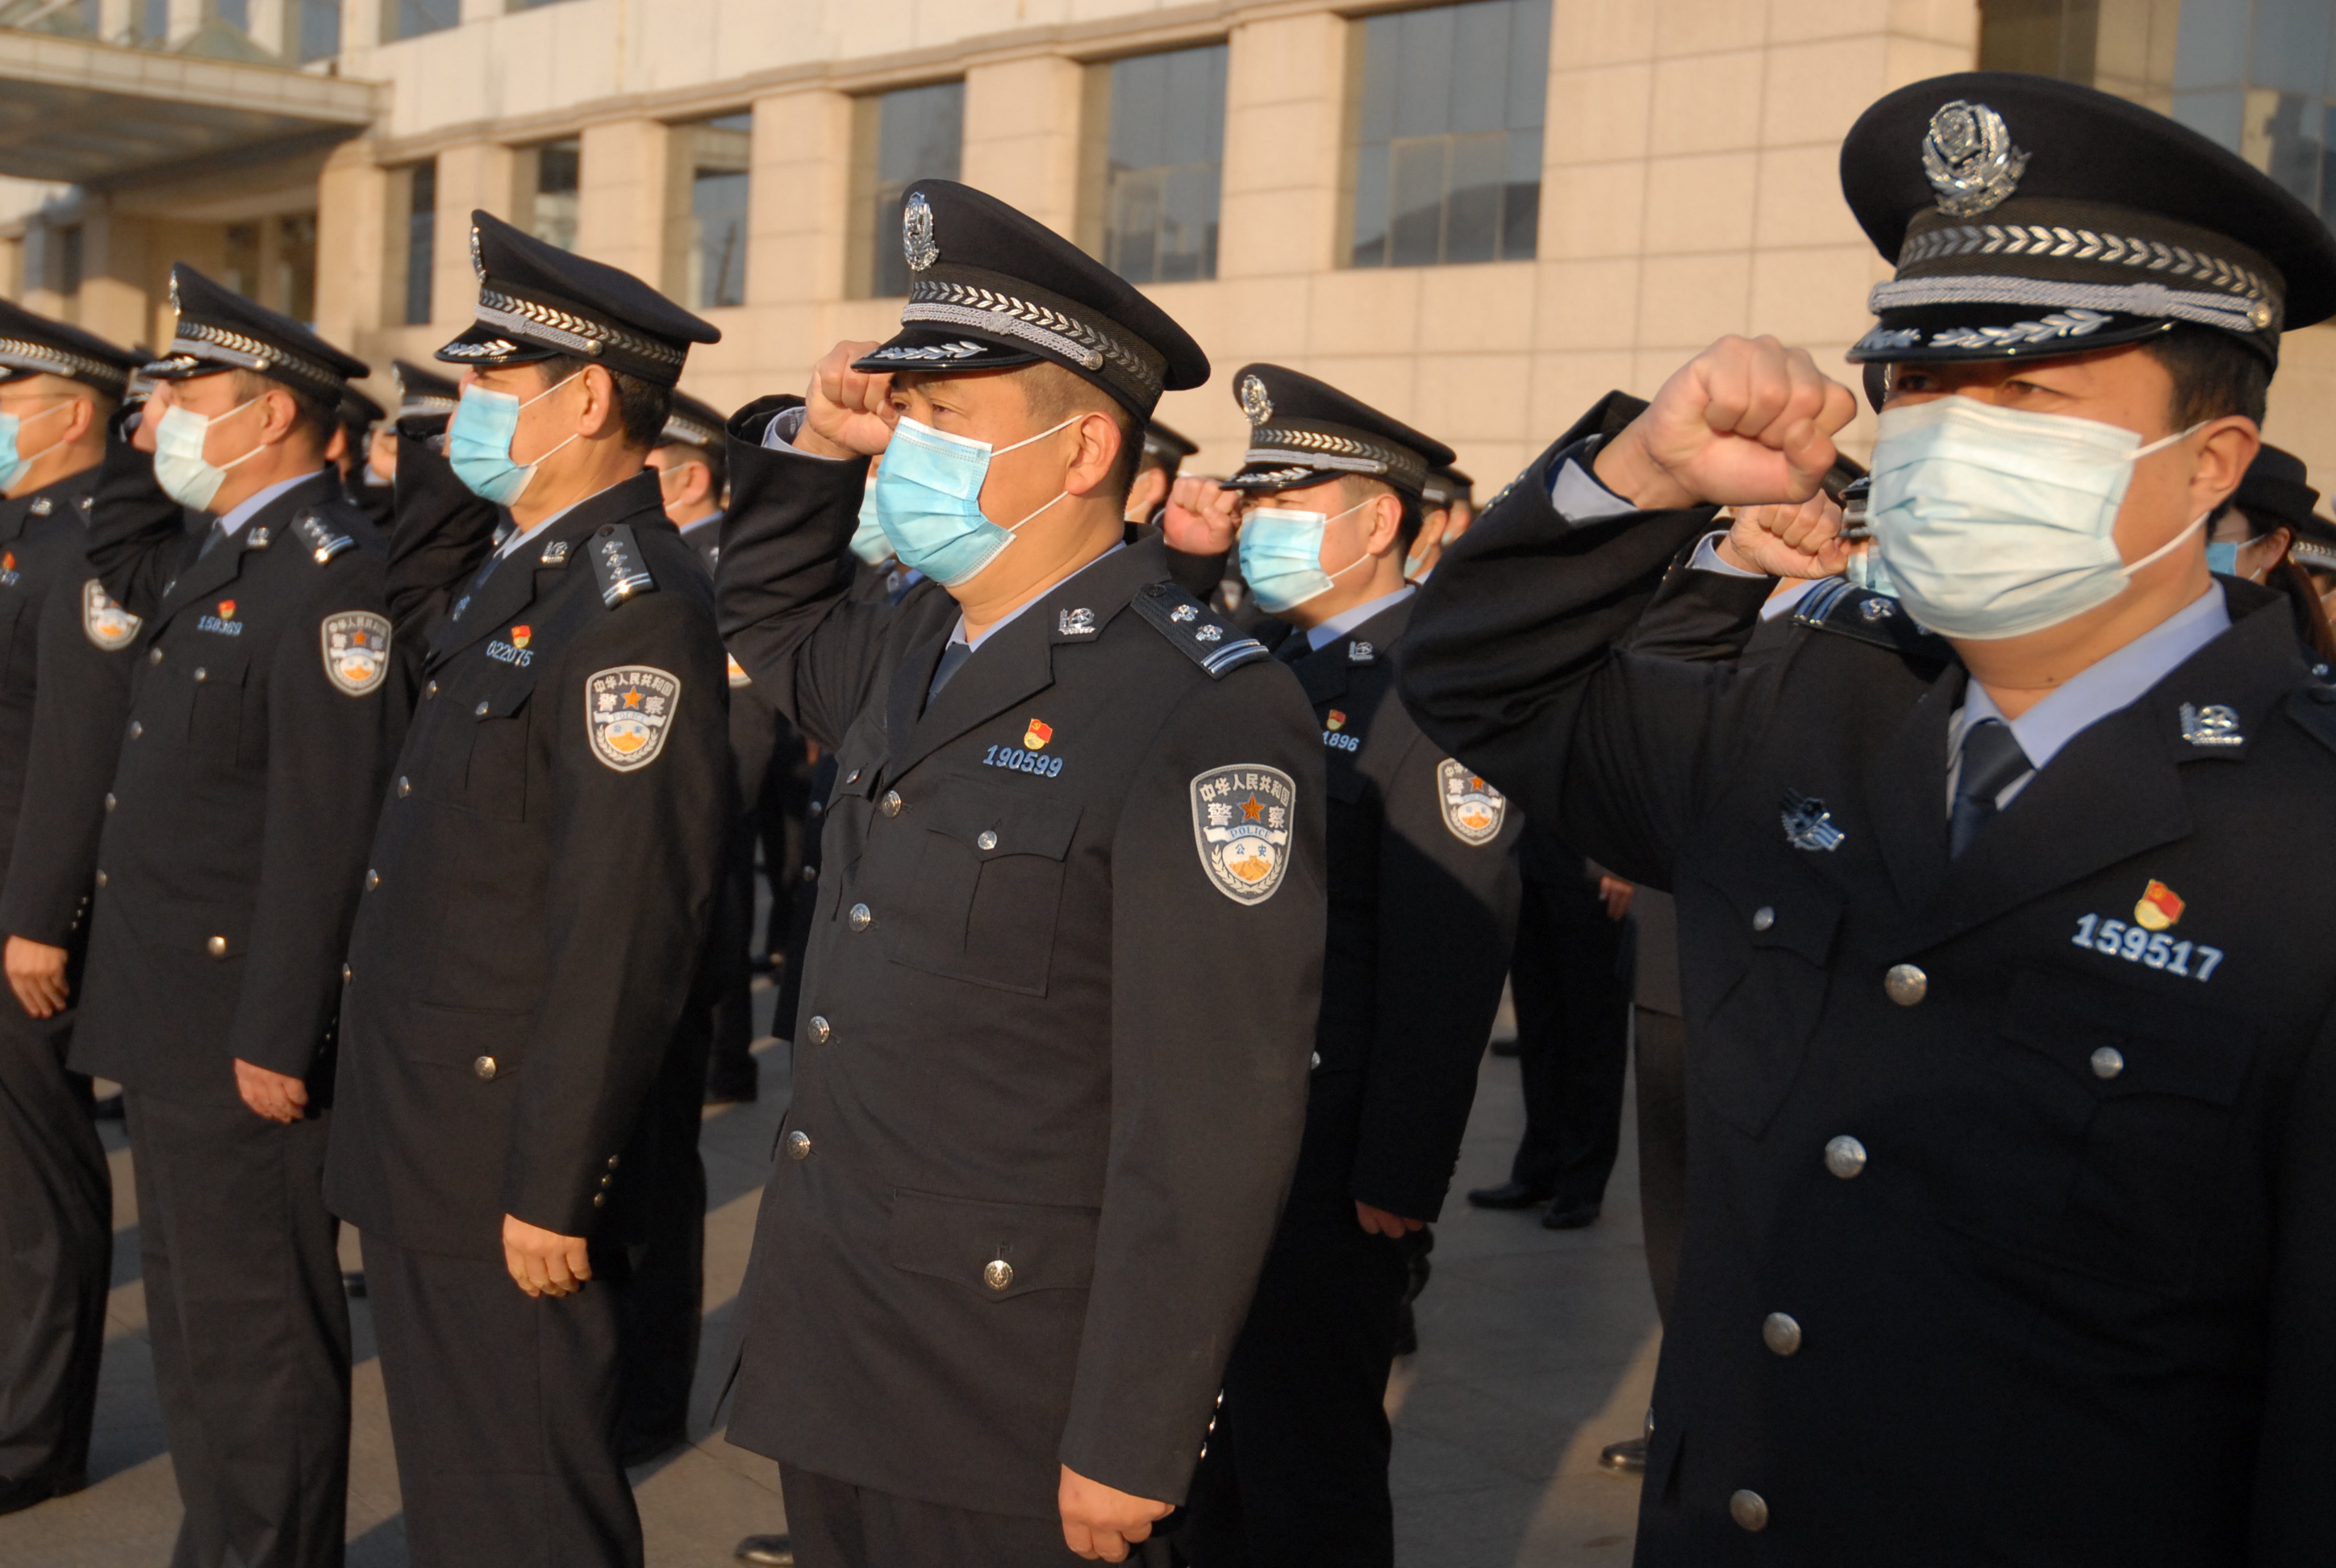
344	974
485	1067
599	1200
1749	1510
1906	985
136	729
1763	917
798	1144
216	946
1781	1333
101	878
892	803
1844	1156
612	1161
997	1274
483	709
987	840
811	873
201	673
431	691
153	655
372	880
2107	1062
860	918
110	801
819	1031
404	786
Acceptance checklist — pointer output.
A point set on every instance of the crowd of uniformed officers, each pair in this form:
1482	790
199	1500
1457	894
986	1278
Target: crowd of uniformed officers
1146	855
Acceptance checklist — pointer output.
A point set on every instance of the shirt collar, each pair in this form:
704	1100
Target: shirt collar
245	510
708	520
520	536
1003	621
1347	620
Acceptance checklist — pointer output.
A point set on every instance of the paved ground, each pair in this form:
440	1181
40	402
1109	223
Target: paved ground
1537	1348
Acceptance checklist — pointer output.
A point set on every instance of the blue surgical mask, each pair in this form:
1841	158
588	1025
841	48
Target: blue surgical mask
478	442
13	463
1281	555
1994	522
928	501
2223	558
179	467
867	541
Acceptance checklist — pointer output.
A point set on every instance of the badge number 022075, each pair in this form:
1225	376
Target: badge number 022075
2151	949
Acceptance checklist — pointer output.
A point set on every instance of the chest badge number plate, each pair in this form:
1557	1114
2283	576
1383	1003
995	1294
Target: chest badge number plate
1241	822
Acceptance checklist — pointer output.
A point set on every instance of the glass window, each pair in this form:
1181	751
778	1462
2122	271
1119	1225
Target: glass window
240	271
915	133
320	29
559	165
154	20
67	278
712	159
412	18
293	287
421	239
1163	163
2045	37
1448	134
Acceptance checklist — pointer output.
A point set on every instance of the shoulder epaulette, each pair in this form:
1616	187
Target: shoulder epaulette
323	541
1198	635
1837	606
617	560
2313	706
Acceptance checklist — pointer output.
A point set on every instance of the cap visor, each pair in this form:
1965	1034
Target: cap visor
935	351
1282	476
504	349
1948	334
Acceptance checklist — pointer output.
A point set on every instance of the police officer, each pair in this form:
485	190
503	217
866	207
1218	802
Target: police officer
63	698
266	709
2252	535
2008	1027
536	907
1423	910
351	453
1033	1158
1447	503
1164	451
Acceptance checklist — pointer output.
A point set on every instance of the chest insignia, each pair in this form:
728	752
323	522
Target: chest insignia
1472	809
106	623
1361	653
738	676
1808	825
1038	735
260	539
9	575
224	623
2159	906
1241	820
554	554
1333	723
629	711
356	650
2212	726
1076	623
513	652
42	507
2143	940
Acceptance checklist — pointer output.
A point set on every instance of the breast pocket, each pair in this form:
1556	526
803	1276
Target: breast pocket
216	721
1762	933
988	881
996	1251
478	759
15	628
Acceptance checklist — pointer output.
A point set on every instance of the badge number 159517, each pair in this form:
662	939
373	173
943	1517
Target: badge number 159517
2152	949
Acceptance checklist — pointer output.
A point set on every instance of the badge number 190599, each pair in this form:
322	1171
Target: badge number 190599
1242	816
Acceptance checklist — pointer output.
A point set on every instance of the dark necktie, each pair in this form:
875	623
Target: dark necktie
1294	647
1991	761
213	540
952	657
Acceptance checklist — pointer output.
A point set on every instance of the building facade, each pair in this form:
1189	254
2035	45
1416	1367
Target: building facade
1479	216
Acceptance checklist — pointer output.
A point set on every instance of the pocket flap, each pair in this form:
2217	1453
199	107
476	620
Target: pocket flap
992	822
488	1046
499	692
2119	1040
223	666
193	925
999	1251
1344	782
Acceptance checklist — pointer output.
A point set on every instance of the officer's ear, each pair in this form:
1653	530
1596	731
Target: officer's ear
602	414
1386	518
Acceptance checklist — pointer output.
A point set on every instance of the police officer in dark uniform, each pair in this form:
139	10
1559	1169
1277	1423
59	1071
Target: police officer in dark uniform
1445	501
373	494
266	711
1423	911
1036	1147
63	692
1164	451
537	905
2009	1017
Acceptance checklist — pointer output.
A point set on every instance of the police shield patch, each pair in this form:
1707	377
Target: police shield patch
108	625
1242	818
627	711
1472	809
356	650
738	676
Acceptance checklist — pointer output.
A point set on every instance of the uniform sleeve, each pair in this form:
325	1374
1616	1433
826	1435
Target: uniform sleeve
137	534
1510	664
634	856
329	752
438	535
784	581
1447	919
2298	1449
80	703
1208	1100
1700	615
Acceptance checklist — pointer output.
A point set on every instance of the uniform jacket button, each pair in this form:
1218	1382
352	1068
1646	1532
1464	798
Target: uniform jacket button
1844	1156
404	786
892	803
612	1161
798	1144
997	1274
201	673
153	655
136	729
599	1200
2107	1062
101	878
819	1031
987	840
817	809
430	690
485	1067
862	917
372	880
110	801
216	946
1748	1509
344	974
1781	1333
1763	917
605	1180
483	709
811	873
1906	985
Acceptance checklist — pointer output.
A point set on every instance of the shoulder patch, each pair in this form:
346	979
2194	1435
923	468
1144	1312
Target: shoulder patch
1195	631
322	540
738	676
1838	606
2314	709
1472	809
1242	816
627	712
107	623
356	645
617	563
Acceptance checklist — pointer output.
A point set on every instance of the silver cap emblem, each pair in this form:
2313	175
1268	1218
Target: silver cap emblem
917	233
1254	401
1970	159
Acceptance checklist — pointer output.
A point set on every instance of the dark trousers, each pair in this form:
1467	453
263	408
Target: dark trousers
1660	1056
659	1308
56	1253
1295	1470
1572	992
836	1525
730	1070
250	1331
503	1408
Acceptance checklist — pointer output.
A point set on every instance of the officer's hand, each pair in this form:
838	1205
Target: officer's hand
849	412
1203	516
1100	1521
150	420
1616	894
1802	541
1745	422
1380	1223
544	1263
36	973
274	1095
